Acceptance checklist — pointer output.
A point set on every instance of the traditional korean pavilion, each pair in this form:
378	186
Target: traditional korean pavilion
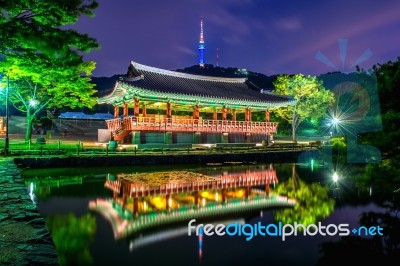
162	106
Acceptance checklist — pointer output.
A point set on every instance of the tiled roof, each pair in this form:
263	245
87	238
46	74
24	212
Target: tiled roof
165	82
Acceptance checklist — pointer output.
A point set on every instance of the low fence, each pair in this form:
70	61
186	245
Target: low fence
43	147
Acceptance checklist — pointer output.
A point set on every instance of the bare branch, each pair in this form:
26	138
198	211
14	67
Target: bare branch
38	109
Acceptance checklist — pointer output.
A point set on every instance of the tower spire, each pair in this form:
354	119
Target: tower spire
201	45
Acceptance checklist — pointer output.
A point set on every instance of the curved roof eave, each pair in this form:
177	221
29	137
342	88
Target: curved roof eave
123	92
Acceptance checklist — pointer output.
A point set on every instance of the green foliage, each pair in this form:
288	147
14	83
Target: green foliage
43	57
339	143
46	122
72	237
312	99
312	203
384	177
388	79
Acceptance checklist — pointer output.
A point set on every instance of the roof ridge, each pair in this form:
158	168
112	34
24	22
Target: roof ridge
185	75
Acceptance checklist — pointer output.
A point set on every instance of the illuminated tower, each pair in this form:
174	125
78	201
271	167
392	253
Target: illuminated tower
201	45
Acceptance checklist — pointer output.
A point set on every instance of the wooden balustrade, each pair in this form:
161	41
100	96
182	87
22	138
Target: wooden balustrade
265	177
190	125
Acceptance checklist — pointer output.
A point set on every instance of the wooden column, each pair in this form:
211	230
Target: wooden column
267	189
248	114
196	198
168	112
224	113
234	115
126	110
223	192
215	115
136	107
247	192
167	200
144	113
124	200
135	205
116	111
267	116
196	113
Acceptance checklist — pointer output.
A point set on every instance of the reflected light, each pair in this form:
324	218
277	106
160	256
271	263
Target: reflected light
170	202
31	194
203	202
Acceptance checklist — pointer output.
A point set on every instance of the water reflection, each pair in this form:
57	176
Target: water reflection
384	249
145	201
155	213
312	201
72	237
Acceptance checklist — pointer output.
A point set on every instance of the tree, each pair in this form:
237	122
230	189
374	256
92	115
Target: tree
43	57
312	99
312	202
72	237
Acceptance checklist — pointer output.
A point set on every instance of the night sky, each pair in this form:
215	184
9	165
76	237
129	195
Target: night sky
266	36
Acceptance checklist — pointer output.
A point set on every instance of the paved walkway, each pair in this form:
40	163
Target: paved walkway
24	238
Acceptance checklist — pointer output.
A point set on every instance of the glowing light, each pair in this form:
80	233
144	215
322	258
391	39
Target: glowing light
335	121
169	202
203	202
216	197
312	164
32	102
31	193
335	177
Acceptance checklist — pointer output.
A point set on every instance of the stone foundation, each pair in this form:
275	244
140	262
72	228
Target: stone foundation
24	238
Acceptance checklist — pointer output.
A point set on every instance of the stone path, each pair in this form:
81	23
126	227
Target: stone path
24	238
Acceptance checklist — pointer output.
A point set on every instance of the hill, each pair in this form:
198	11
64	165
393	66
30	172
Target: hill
260	80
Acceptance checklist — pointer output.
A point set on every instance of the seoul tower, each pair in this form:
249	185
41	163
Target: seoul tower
201	45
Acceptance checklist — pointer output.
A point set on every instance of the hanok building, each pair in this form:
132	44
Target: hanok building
162	106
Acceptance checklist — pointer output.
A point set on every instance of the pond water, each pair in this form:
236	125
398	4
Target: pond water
98	218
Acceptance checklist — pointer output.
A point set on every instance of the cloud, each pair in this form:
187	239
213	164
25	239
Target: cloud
228	21
356	28
185	50
289	24
233	39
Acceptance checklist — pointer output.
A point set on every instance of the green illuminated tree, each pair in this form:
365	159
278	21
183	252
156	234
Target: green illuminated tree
43	57
312	99
312	201
72	237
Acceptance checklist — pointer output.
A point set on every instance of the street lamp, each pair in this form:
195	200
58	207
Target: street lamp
335	177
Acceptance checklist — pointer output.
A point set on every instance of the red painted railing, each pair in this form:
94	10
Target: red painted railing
257	178
190	125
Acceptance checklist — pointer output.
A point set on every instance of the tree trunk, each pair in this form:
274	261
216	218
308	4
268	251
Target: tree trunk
29	121
294	127
293	133
295	177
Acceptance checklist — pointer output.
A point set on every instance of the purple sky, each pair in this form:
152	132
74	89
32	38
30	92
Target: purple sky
266	36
